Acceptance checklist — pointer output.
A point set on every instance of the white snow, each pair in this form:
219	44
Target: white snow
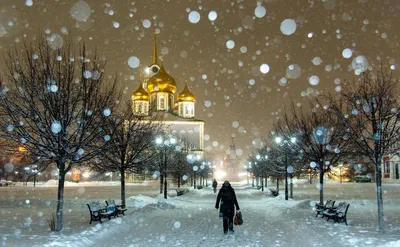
191	219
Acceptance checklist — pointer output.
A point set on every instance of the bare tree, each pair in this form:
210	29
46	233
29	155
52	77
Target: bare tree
372	114
131	140
320	137
54	104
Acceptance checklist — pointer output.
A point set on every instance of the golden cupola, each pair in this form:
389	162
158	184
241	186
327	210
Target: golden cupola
185	95
161	82
141	94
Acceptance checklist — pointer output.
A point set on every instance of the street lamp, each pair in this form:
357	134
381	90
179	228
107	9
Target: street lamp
252	177
283	143
262	158
165	144
340	172
192	159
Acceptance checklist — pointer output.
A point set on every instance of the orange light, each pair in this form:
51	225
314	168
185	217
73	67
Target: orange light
21	149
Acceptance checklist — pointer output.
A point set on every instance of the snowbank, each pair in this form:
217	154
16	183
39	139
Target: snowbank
391	244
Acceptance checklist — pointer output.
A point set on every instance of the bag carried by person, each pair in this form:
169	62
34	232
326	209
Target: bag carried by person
238	220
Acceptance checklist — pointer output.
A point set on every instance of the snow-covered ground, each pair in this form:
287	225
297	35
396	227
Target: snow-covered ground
191	219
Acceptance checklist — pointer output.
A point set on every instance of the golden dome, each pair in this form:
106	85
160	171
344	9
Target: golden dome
186	95
161	82
141	94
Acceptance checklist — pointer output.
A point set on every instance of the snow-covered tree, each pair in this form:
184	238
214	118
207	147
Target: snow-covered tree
131	140
54	104
319	137
370	109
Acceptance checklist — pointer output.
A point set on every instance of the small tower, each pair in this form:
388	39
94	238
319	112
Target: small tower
154	67
186	101
140	101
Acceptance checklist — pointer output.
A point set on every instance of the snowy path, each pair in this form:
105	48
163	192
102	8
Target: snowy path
191	220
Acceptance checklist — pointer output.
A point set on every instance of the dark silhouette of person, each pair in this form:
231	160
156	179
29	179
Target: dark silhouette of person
214	185
228	200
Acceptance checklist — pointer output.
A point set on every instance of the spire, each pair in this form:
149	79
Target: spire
154	61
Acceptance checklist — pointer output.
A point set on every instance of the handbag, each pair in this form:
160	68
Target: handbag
238	219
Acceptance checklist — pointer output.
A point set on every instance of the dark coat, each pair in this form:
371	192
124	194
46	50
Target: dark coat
215	184
228	200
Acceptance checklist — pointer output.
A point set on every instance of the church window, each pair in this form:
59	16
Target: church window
140	108
180	109
162	102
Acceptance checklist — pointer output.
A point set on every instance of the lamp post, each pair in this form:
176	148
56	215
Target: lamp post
192	159
340	172
165	144
262	158
247	173
286	143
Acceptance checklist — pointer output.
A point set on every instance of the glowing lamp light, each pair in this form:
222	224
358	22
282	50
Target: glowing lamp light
159	140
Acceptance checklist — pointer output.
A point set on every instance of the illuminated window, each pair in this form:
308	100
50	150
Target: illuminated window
162	102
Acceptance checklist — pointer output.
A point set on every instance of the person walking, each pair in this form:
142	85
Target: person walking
229	201
214	185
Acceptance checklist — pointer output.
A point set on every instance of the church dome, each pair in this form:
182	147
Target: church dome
186	95
141	94
161	82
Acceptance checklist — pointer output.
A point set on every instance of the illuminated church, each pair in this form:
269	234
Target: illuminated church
156	94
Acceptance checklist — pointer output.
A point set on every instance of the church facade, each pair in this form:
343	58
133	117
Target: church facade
156	95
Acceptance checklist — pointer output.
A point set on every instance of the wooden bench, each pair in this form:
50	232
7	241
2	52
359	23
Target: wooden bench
180	192
338	214
321	208
274	192
97	212
119	209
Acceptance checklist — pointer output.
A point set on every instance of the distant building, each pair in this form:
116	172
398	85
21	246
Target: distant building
391	166
232	164
155	95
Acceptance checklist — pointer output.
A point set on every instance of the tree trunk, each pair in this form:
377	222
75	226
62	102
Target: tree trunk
277	183
291	186
321	185
310	176
161	183
122	187
379	195
262	182
179	180
60	197
194	180
165	185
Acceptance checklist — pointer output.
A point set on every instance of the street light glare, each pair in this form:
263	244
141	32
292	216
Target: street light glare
278	140
159	140
258	156
172	140
293	139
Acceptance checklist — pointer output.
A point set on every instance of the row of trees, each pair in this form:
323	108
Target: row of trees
361	123
63	109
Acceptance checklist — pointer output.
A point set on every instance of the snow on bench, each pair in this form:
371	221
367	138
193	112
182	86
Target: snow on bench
97	212
119	209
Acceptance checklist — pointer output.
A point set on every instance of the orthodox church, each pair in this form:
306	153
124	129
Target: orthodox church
156	95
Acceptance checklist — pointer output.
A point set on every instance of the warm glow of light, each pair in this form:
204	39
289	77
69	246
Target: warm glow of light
242	174
220	175
21	149
86	174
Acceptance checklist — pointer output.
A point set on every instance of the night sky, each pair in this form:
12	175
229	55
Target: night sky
233	96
